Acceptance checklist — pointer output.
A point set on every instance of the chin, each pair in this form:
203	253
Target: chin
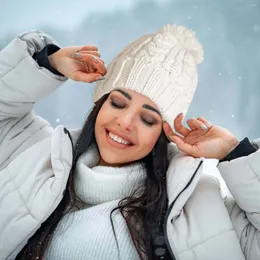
114	160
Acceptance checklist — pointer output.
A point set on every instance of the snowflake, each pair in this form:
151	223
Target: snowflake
57	120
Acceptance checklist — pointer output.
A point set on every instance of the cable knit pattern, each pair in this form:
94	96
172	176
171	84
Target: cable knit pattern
161	66
87	233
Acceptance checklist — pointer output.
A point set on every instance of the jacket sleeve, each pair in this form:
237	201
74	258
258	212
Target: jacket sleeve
243	149
22	83
242	176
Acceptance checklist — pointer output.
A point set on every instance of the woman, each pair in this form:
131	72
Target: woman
124	192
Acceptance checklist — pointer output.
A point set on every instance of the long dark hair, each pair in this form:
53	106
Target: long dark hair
143	211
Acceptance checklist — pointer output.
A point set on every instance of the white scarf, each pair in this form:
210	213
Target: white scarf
98	184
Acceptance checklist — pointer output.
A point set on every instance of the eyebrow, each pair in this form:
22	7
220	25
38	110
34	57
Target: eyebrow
124	93
146	106
152	108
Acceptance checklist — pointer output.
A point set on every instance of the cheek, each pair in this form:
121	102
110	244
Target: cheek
103	116
149	138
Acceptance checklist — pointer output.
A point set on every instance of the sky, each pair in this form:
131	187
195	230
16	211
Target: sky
19	15
58	11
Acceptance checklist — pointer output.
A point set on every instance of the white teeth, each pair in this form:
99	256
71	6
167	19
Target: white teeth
118	139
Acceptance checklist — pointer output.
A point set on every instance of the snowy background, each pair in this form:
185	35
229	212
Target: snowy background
229	78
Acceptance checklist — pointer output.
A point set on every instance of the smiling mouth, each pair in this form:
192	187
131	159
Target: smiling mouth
117	139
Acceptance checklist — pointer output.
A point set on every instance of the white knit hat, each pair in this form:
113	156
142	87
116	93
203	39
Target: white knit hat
161	66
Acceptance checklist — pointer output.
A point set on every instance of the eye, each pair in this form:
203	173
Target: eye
117	103
148	120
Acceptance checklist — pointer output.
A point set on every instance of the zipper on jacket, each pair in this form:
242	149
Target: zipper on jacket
169	211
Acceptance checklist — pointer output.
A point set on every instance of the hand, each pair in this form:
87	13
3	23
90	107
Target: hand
202	139
79	63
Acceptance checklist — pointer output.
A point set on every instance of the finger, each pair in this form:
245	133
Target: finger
167	129
94	61
102	60
99	59
86	77
99	65
204	121
184	147
195	124
179	127
192	125
95	53
89	48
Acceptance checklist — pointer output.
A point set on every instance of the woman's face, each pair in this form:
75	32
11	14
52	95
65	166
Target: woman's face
127	127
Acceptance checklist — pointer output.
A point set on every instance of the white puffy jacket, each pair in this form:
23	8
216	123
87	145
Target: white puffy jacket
35	160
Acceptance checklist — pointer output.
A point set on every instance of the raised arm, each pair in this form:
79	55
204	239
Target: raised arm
22	81
240	168
25	80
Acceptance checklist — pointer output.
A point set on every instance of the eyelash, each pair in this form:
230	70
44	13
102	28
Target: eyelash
113	104
116	105
147	123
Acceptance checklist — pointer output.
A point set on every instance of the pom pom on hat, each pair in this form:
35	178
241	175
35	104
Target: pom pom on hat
187	40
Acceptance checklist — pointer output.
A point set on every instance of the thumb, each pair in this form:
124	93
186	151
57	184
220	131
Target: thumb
182	146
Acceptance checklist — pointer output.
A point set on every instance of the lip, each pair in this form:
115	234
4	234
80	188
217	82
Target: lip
116	144
120	135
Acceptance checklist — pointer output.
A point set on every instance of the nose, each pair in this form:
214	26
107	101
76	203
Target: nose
126	122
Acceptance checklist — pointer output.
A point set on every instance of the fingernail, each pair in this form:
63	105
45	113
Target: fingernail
180	114
204	127
76	55
94	59
100	78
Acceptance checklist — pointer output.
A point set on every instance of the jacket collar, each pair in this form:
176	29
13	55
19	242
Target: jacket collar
182	177
183	173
